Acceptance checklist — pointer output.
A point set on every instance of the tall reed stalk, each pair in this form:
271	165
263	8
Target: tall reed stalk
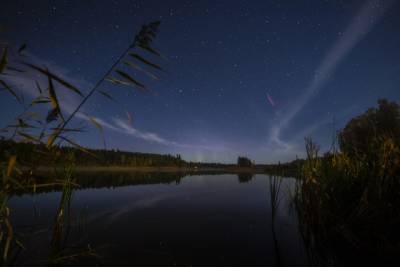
53	130
351	205
274	190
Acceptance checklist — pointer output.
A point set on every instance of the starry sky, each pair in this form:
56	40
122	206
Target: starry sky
241	77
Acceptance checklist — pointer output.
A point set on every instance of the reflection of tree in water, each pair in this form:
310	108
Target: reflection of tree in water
245	177
116	179
275	183
88	180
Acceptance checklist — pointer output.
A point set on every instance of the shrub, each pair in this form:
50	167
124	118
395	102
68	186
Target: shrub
349	201
244	162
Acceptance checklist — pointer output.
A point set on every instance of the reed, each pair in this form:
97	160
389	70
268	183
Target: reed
274	190
349	204
50	130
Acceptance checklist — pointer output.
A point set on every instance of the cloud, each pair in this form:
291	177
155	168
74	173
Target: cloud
148	136
124	127
361	24
26	84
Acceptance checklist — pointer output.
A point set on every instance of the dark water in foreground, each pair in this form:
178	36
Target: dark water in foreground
200	220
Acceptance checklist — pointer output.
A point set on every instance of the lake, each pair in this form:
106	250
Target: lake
166	220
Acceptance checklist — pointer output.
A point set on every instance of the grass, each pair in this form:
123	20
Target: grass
275	183
51	131
350	206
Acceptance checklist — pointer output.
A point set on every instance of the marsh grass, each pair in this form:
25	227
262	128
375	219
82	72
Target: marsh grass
8	241
275	183
63	214
350	206
52	129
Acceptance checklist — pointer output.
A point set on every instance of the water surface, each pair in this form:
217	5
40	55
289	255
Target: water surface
155	220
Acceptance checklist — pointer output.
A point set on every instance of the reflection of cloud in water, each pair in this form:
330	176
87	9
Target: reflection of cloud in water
113	214
140	204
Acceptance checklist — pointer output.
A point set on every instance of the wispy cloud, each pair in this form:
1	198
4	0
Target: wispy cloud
148	136
361	24
26	84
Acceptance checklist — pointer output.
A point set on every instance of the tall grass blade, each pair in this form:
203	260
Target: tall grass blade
54	77
4	60
130	79
145	61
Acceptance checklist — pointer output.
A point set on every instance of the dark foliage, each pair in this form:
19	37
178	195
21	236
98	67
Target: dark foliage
376	123
348	202
244	162
29	153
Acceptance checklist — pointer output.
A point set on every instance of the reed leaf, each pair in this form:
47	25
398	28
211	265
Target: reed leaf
99	127
28	137
137	67
116	81
38	87
4	60
10	237
11	163
23	124
68	130
14	69
56	111
130	79
52	138
105	94
54	77
11	91
145	61
40	100
52	115
149	49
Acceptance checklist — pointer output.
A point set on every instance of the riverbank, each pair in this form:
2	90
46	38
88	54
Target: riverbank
174	169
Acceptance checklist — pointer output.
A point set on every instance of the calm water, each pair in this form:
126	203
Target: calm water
199	220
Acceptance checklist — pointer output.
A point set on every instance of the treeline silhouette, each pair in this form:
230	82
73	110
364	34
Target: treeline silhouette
29	153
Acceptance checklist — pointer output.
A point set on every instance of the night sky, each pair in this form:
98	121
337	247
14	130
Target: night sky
241	77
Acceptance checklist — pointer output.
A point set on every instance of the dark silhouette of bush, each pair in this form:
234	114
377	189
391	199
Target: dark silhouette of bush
376	124
244	162
348	202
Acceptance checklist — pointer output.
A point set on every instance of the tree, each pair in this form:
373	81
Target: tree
372	127
244	162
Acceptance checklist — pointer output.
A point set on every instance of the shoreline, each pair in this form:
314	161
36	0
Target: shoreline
176	169
167	169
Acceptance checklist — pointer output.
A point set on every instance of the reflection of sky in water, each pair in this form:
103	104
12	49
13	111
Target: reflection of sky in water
203	218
